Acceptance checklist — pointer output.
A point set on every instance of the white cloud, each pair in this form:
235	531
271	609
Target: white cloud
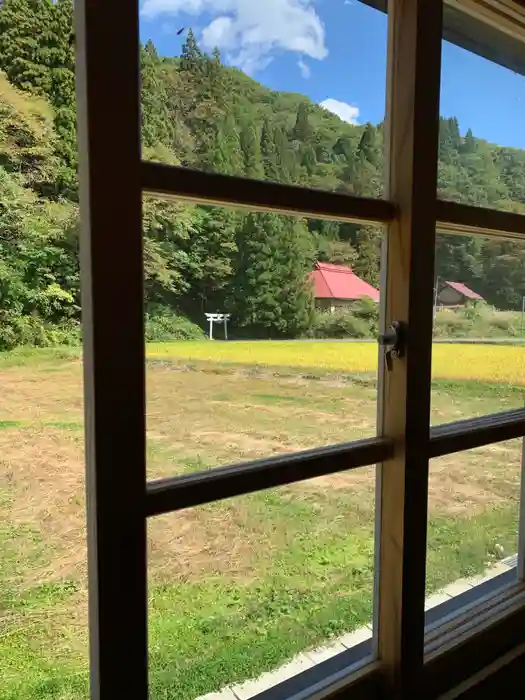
250	32
304	68
348	113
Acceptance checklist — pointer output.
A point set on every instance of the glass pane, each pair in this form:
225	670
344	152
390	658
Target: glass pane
264	91
43	599
269	583
482	161
292	308
473	518
478	358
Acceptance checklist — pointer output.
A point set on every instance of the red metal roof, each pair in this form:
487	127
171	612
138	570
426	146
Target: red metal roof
339	282
464	290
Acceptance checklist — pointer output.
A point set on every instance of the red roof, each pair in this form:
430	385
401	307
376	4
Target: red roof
464	290
339	282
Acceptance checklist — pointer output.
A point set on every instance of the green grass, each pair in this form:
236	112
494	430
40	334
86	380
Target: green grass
7	424
29	356
207	634
59	424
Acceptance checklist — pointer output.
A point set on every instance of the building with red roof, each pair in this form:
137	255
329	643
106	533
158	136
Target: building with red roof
337	286
454	294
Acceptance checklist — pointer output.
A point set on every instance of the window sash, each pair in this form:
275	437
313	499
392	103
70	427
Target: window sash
112	181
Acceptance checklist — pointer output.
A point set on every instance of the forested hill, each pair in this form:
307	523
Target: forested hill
201	114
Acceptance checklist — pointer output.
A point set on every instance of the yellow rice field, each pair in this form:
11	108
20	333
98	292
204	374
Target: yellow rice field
488	363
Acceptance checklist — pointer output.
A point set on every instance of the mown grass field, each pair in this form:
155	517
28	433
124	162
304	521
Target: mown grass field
235	587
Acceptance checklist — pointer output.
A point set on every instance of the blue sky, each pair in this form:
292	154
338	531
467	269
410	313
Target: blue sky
334	51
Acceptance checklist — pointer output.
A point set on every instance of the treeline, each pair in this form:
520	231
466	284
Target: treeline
199	113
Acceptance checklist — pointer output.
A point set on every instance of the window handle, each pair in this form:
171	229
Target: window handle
394	342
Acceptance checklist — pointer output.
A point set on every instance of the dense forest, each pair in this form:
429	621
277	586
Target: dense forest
199	113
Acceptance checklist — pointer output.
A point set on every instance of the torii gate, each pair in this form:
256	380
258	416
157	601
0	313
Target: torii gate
218	317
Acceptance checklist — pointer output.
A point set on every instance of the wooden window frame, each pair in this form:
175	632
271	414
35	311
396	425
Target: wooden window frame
405	656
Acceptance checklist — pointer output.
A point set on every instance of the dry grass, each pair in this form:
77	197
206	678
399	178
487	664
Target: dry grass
461	484
42	393
235	417
201	419
42	470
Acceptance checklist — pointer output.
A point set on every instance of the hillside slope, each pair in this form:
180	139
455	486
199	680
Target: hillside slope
201	114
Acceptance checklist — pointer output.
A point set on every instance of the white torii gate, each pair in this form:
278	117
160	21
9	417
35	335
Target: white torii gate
218	317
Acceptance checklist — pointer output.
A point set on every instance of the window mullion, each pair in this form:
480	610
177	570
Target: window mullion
521	522
414	65
107	48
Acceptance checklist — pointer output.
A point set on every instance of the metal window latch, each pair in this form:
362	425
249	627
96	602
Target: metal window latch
394	342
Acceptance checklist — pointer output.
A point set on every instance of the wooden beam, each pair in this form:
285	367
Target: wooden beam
468	220
414	67
255	195
474	26
111	248
506	16
175	493
521	521
476	432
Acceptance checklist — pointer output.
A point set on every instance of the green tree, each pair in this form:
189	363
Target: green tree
344	147
469	144
191	58
502	282
157	126
287	165
458	258
251	148
212	250
27	140
228	156
60	51
39	281
368	245
168	228
270	294
449	140
269	152
370	146
25	36
37	55
308	159
302	130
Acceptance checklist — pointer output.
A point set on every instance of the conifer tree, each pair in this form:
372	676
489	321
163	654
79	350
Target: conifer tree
271	295
251	148
302	130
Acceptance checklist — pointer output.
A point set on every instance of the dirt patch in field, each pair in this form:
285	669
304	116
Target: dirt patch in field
201	542
37	394
43	473
223	421
238	445
460	484
468	482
